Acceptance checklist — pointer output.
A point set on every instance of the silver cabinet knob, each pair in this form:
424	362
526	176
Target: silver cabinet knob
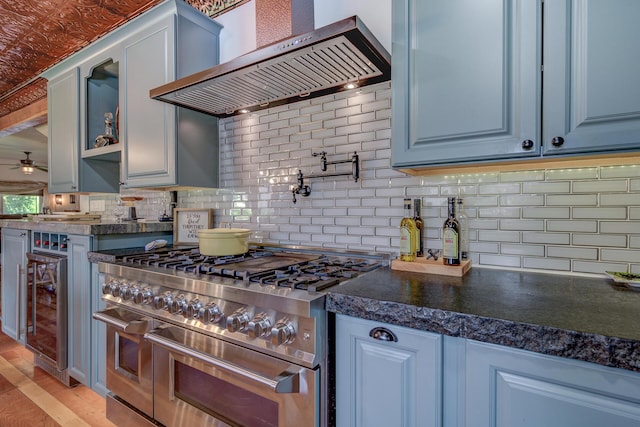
282	333
259	326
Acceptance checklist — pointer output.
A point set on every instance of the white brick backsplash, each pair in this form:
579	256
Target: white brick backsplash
517	224
630	171
599	186
622	227
611	240
536	212
579	226
545	187
620	255
550	238
535	200
499	236
547	264
498	212
517	219
522	176
567	174
620	199
500	260
599	213
572	252
508	188
572	200
513	249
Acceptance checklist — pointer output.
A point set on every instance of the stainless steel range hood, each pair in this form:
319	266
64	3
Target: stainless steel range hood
317	63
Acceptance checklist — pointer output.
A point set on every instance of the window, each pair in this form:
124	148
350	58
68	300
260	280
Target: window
16	204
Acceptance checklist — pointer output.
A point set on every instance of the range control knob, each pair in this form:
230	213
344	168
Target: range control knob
210	313
106	288
177	305
260	326
143	296
127	292
191	309
162	302
238	320
282	333
117	287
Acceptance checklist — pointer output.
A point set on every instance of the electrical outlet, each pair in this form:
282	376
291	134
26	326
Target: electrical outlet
96	205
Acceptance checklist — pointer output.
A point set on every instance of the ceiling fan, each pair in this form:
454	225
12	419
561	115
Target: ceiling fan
27	165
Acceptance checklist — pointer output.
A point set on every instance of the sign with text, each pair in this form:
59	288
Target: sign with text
187	222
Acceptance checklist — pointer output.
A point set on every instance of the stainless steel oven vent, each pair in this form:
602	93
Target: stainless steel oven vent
317	63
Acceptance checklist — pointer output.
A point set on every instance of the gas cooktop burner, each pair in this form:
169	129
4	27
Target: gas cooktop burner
306	271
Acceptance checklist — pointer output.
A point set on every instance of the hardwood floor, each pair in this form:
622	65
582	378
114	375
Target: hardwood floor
29	397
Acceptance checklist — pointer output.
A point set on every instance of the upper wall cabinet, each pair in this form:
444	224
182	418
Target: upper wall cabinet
591	100
469	85
101	113
166	145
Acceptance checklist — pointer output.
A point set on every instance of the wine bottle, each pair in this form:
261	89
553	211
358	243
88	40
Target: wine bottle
451	236
464	229
417	207
407	234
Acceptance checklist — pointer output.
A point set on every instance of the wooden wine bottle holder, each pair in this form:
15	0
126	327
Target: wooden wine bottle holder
429	266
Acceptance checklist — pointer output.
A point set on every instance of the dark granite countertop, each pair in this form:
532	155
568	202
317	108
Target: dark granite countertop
94	228
583	318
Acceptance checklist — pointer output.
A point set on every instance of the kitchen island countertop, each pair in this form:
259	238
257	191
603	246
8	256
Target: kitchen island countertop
584	318
88	227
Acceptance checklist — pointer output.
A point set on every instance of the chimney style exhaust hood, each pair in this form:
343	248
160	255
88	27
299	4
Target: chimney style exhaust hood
330	59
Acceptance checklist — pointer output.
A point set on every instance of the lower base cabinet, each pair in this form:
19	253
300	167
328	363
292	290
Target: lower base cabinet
425	379
513	388
386	375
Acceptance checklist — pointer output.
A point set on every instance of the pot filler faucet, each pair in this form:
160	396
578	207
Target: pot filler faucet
305	190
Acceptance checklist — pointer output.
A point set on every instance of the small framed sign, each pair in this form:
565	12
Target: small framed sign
187	222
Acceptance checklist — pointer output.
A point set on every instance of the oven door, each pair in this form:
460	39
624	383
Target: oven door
201	380
129	357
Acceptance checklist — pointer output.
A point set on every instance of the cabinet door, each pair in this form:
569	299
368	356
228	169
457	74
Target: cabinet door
98	335
386	383
15	245
514	388
591	68
149	129
64	131
79	311
466	81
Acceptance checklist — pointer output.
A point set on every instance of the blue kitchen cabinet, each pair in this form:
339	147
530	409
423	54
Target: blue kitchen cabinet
15	245
591	99
63	101
506	387
158	145
167	145
469	84
79	309
466	81
386	383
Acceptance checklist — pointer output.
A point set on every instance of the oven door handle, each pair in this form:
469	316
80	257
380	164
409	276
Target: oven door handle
285	382
135	327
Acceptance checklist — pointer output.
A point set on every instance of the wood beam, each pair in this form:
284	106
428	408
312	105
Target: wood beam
31	115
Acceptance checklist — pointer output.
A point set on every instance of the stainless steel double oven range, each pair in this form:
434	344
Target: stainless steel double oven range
222	341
